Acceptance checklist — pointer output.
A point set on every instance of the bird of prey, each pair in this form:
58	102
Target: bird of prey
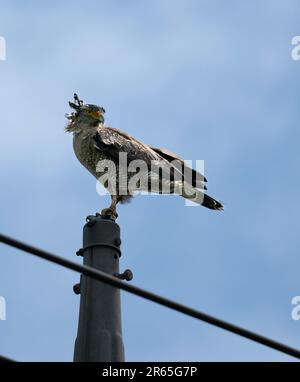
160	170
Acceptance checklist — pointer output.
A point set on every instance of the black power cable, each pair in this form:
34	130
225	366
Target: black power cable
6	359
114	281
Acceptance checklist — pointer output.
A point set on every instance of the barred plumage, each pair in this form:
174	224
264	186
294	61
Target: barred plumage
163	170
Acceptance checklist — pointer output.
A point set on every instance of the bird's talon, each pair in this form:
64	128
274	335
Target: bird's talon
106	211
109	212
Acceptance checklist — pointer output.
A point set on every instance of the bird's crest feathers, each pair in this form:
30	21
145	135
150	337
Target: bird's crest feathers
81	108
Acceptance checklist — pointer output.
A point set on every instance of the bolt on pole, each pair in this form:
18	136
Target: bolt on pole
99	336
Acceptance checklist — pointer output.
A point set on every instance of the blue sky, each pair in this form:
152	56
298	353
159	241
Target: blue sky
211	80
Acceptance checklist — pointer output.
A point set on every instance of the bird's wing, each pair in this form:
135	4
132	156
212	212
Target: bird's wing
113	141
196	177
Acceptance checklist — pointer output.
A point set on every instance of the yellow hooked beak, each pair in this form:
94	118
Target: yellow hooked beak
95	114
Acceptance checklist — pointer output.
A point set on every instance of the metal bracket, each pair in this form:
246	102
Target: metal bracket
80	252
126	275
77	288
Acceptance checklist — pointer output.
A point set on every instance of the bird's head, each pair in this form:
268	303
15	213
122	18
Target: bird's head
85	115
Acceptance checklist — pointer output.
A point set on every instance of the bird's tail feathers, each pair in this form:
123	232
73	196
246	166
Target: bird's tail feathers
199	197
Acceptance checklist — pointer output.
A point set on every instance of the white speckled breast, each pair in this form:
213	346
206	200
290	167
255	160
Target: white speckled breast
85	151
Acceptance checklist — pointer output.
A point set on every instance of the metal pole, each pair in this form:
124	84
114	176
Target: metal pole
99	336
